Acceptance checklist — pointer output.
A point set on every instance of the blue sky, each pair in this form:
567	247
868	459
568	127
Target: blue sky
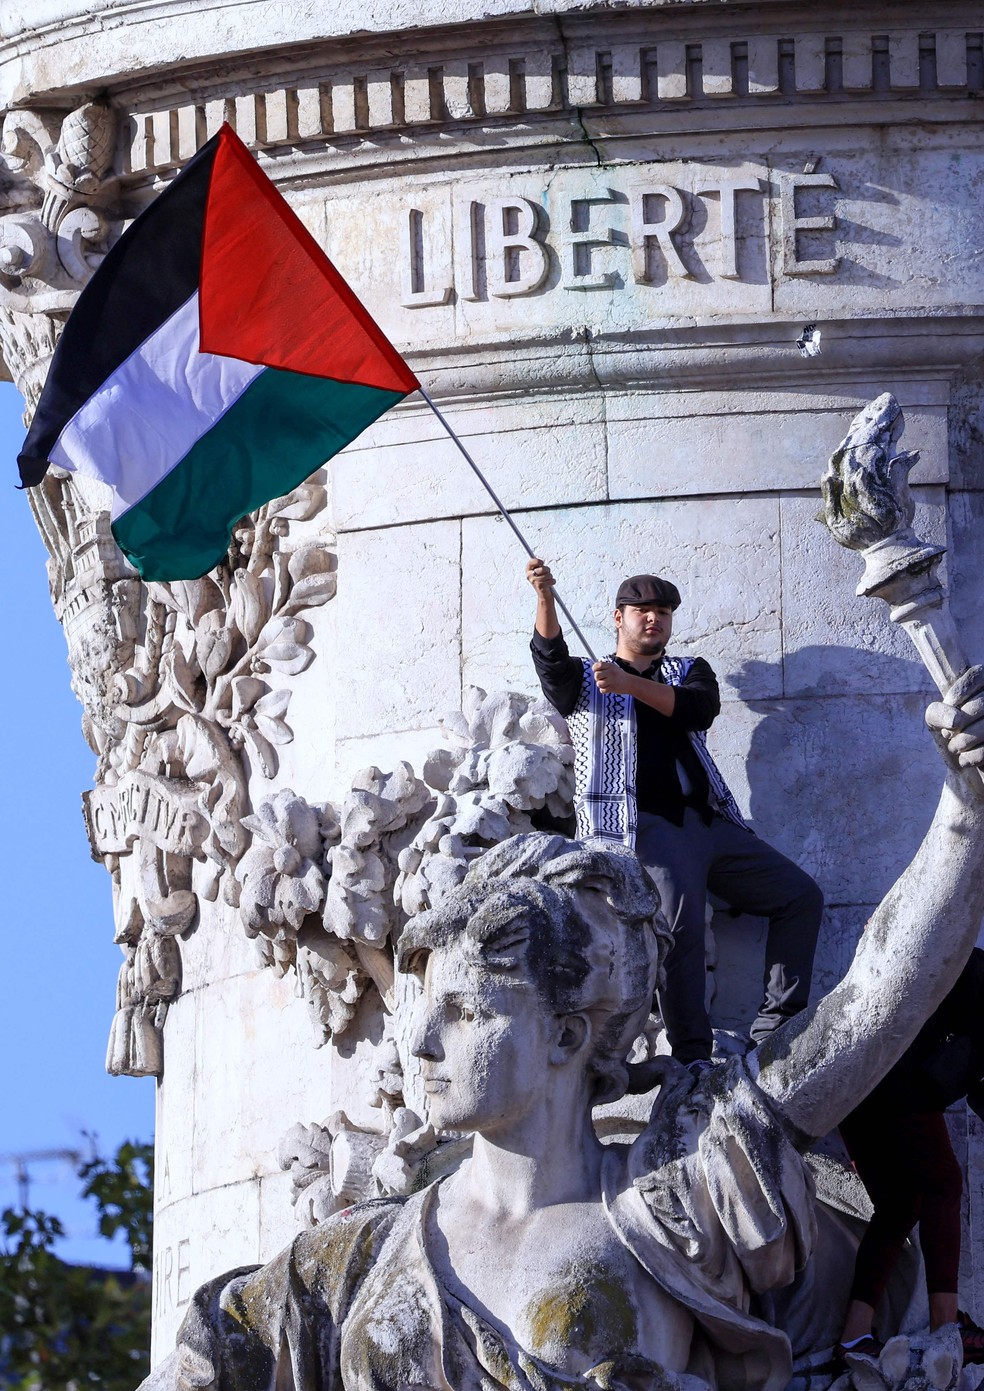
57	937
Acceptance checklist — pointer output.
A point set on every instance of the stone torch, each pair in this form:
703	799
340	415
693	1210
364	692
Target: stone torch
869	508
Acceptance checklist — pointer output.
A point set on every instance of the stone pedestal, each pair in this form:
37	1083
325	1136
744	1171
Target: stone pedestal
597	235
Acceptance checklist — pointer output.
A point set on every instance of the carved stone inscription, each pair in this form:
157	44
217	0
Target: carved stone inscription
141	805
172	1277
675	227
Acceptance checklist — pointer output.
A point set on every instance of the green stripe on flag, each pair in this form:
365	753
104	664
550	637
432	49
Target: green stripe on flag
283	427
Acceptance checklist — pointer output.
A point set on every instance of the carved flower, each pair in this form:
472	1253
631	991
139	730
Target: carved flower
281	873
359	902
331	980
529	776
509	756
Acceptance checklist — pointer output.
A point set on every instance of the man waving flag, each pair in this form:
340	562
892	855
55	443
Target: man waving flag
213	362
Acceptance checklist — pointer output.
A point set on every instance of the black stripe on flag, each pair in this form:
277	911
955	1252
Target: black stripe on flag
147	275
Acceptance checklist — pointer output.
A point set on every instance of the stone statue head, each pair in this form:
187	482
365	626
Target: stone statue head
576	925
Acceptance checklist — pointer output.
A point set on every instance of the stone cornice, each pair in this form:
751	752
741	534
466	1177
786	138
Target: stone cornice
153	45
761	353
52	44
536	84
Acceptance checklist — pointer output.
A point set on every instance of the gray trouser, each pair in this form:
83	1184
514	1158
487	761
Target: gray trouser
735	865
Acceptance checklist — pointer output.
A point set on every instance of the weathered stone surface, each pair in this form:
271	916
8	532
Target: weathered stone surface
598	236
407	616
277	1221
239	1022
887	255
664	445
174	1173
721	555
225	1036
406	468
836	643
189	1237
219	952
966	522
605	231
783	759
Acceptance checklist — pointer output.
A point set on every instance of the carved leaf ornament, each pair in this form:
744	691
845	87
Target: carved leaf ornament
510	756
186	694
281	871
394	846
186	689
198	703
60	167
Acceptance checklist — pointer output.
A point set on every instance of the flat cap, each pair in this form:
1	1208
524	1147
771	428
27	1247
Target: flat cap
647	589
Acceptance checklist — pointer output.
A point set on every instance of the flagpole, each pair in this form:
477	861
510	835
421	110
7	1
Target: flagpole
518	534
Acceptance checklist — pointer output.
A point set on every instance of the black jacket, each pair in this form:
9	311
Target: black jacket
945	1061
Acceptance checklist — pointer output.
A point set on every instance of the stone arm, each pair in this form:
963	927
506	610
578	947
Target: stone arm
818	1066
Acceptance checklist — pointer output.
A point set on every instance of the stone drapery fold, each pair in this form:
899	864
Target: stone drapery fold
712	1199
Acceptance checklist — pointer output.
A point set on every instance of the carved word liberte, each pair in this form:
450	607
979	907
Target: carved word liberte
508	247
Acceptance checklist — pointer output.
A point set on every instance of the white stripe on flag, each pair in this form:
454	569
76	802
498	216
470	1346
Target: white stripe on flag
149	413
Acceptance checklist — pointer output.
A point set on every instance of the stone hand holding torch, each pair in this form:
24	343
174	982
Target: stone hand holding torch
869	508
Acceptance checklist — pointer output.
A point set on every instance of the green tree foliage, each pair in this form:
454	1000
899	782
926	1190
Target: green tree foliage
67	1327
123	1191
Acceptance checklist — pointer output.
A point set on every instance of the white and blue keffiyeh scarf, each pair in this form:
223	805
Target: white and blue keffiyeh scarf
603	729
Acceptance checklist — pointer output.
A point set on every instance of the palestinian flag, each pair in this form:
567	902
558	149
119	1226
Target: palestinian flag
213	362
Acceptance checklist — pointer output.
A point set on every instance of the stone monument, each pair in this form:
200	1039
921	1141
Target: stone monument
549	1258
600	235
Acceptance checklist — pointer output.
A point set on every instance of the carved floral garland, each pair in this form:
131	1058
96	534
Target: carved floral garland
184	695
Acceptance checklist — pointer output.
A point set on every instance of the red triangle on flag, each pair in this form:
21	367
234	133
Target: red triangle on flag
268	294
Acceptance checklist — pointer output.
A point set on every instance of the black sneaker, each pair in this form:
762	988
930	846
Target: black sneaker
972	1337
868	1346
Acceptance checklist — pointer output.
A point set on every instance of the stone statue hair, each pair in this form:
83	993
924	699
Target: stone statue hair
520	912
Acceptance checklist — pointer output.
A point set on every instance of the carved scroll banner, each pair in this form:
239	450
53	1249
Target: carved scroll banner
141	806
147	828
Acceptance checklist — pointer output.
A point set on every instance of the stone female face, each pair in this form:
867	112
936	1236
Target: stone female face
484	1042
543	929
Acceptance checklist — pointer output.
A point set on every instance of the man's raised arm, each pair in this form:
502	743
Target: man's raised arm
821	1064
539	576
560	674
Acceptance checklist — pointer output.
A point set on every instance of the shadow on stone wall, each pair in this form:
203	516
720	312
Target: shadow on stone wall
842	776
